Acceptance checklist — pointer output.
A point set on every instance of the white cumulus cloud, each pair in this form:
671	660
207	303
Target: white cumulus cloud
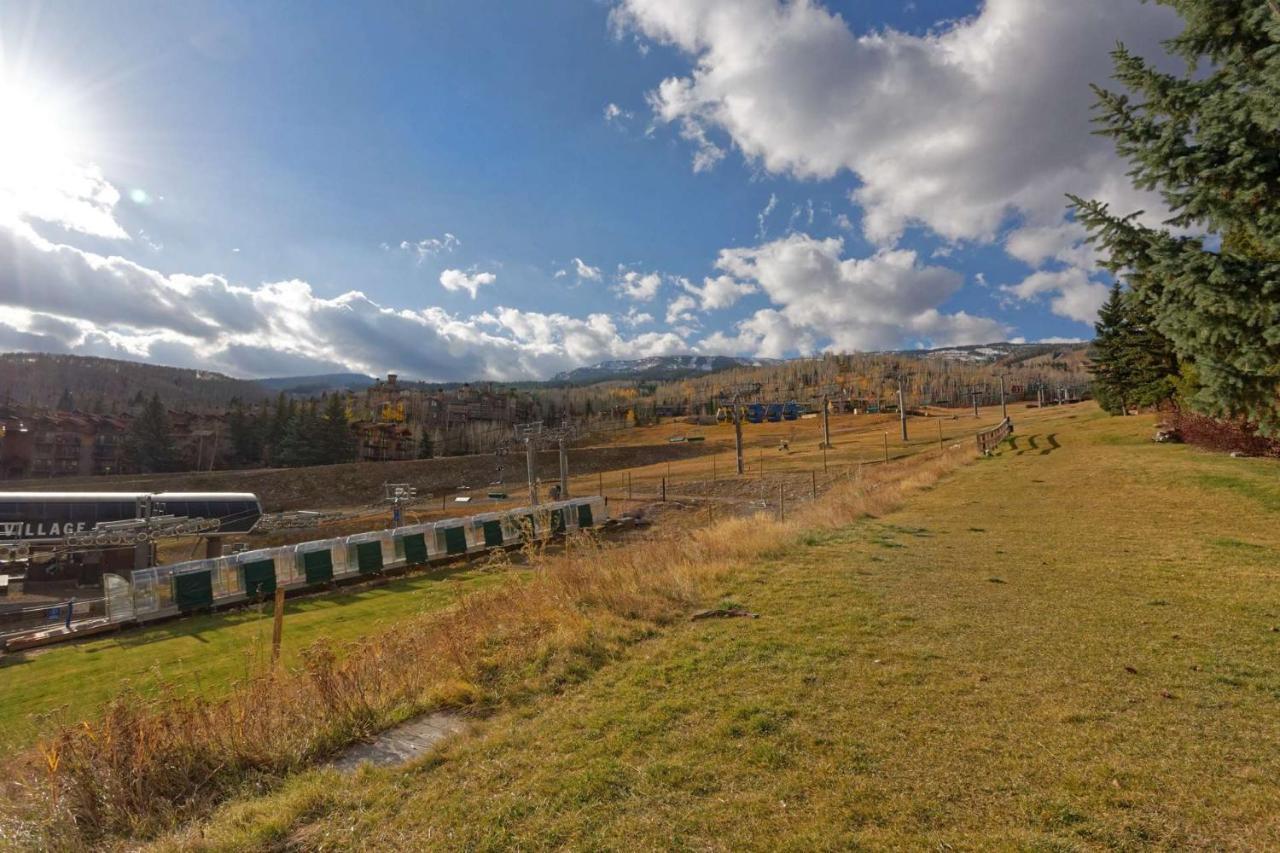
58	298
471	282
981	121
825	299
638	286
429	247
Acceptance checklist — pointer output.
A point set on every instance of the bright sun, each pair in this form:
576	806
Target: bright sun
44	169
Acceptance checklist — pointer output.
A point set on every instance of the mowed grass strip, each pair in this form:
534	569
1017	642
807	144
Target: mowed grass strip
204	655
1071	645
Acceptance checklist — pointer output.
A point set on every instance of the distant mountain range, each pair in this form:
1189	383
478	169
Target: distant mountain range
308	386
655	368
1008	353
659	368
111	385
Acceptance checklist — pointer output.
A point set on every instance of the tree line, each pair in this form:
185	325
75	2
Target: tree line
1196	320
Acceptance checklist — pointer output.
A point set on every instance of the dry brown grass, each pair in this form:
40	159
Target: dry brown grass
148	765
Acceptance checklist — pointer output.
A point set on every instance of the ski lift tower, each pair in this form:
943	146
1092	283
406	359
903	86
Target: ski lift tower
826	393
734	395
530	433
398	494
561	435
977	391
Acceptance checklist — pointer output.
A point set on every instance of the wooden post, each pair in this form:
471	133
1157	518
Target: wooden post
813	481
1004	409
737	438
939	433
277	627
628	485
886	445
601	482
762	463
826	422
902	413
564	470
531	464
664	489
782	503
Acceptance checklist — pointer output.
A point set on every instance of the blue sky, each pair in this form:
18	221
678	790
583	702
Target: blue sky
502	190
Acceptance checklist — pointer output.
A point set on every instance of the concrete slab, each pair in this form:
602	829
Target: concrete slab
402	743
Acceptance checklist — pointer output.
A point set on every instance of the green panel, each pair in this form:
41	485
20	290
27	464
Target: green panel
557	521
415	549
260	577
369	556
318	566
455	540
584	516
193	590
492	534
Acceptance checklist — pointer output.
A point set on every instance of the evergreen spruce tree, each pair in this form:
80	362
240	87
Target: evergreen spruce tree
245	435
426	449
149	446
338	441
1132	363
299	446
1110	382
278	425
66	403
1209	141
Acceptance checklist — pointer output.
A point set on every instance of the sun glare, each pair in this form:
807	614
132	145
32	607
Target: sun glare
45	169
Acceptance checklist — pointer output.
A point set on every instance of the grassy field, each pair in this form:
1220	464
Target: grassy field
1070	645
208	654
203	654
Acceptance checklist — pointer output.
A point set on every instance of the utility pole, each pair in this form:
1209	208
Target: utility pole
734	395
902	411
737	437
564	470
826	422
531	465
529	433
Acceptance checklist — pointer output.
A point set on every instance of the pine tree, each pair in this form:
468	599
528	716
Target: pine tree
245	435
278	425
149	446
426	449
66	403
1209	142
300	446
1110	382
339	442
1132	363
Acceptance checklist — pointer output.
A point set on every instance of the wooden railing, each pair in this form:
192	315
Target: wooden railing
989	439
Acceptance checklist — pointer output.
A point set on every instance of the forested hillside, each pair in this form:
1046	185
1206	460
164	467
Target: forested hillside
106	385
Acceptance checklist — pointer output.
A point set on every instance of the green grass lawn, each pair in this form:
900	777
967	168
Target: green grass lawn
1071	645
206	654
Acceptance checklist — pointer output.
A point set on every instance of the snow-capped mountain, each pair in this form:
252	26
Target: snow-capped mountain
656	367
